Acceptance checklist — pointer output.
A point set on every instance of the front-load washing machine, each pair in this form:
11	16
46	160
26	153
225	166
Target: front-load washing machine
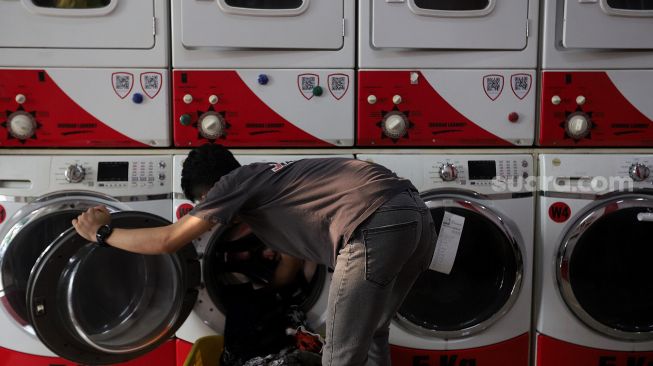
208	316
258	73
447	72
67	301
593	286
84	73
597	73
480	312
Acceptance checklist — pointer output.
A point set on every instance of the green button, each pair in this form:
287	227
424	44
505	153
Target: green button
317	91
185	119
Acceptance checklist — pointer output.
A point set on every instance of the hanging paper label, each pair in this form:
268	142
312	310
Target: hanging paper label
446	247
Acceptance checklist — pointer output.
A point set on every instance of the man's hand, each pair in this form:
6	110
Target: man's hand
90	221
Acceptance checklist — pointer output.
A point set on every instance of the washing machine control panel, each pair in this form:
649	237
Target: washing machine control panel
478	172
113	175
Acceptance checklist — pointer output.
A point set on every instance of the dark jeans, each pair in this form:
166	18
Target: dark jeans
374	272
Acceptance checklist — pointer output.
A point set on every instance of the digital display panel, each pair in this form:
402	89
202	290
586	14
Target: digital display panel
482	169
113	171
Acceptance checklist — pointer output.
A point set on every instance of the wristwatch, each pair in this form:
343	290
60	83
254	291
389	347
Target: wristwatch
102	234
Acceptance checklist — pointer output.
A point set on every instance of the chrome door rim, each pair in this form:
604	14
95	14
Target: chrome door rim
572	235
465	200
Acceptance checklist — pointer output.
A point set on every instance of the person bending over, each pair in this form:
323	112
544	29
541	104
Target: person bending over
360	219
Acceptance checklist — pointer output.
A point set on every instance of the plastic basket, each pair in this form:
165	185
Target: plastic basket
206	351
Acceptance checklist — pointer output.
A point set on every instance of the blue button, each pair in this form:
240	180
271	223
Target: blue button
137	98
263	79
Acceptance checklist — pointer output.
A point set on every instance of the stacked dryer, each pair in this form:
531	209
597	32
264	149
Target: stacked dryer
263	73
593	282
479	313
447	73
597	73
84	74
208	316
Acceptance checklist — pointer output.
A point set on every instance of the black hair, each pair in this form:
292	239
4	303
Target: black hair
203	167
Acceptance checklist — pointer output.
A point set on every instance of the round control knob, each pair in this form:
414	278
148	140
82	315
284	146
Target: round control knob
21	125
395	125
74	173
371	99
639	172
555	100
162	164
20	98
211	125
578	125
448	172
162	176
397	99
137	98
580	100
213	99
188	99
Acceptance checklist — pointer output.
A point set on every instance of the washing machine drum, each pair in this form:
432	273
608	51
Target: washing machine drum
102	305
484	281
603	268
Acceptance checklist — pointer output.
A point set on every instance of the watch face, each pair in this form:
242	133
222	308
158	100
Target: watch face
103	232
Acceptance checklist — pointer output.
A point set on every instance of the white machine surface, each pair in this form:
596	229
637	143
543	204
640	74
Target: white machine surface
479	314
39	196
263	73
447	73
102	33
84	107
596	73
264	107
256	34
593	286
208	317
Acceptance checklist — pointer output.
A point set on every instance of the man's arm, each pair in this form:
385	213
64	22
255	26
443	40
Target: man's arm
157	240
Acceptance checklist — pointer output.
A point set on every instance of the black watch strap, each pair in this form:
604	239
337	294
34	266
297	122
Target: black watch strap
102	234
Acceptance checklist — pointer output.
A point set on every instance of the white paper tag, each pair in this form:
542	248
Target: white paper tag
446	247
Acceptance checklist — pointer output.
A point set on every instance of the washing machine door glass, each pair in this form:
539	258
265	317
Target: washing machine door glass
31	231
603	268
265	4
484	281
72	4
630	4
231	268
102	305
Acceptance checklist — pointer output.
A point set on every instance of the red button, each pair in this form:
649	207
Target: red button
513	117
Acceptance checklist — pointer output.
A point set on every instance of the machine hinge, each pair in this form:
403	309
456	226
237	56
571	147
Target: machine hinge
154	26
343	26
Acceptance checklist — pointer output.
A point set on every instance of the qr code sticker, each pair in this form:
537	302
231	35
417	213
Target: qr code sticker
151	81
122	82
308	83
338	83
493	84
521	83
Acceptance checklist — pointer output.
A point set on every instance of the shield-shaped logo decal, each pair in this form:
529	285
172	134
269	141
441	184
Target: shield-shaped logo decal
493	86
122	83
306	83
151	83
338	85
521	84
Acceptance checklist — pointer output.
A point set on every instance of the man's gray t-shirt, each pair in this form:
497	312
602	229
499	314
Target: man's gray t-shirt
306	208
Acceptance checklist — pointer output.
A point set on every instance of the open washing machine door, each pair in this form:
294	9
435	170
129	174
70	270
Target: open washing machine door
102	305
484	282
603	267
